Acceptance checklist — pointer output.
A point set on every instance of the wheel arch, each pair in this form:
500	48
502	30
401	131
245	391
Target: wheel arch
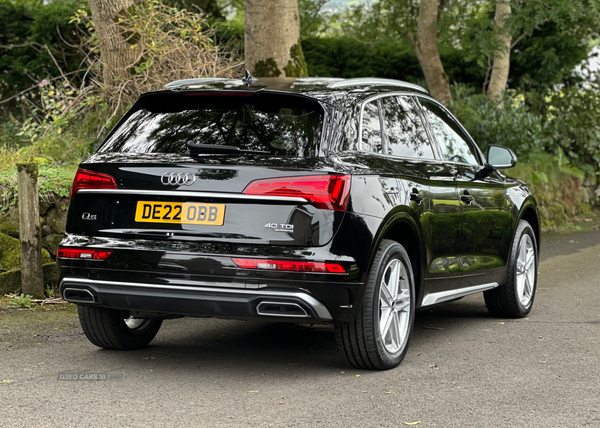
403	229
530	214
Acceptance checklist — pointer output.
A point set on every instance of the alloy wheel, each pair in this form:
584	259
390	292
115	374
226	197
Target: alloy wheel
394	306
525	270
136	323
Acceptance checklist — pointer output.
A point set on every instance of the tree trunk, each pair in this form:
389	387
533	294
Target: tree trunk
425	47
501	64
116	53
272	39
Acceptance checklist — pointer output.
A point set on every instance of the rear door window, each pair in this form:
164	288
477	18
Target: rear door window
177	123
404	130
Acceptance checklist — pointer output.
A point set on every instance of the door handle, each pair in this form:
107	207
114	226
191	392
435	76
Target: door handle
415	196
466	198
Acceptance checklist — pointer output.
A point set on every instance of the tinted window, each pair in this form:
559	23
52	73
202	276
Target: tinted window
271	123
371	128
406	136
452	140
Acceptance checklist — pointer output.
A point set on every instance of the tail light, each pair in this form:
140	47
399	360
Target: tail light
77	253
92	180
329	192
287	265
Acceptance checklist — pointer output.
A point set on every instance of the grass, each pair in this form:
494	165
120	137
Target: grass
18	324
54	183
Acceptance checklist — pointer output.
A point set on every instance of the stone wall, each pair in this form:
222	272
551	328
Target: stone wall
52	220
565	198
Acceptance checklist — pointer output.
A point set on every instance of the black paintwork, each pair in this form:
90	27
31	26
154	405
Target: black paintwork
421	203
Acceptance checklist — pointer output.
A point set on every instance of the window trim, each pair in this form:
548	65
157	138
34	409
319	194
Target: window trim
470	141
384	143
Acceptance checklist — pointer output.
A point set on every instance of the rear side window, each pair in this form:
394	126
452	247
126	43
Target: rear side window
404	131
371	128
177	123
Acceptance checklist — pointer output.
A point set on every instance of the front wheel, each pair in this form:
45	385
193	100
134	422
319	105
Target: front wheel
514	298
114	329
378	336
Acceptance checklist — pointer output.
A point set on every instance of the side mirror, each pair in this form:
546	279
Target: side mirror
500	157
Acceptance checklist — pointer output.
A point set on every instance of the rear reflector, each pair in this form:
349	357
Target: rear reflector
77	253
92	180
289	265
328	192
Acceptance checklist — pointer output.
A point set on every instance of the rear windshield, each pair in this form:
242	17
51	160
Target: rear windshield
275	124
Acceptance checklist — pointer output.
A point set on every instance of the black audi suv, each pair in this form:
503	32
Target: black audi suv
351	202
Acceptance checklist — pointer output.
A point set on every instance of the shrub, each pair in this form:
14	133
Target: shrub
347	57
38	42
513	126
573	124
172	44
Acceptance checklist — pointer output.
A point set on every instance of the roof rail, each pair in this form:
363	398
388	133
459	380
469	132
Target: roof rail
186	82
368	81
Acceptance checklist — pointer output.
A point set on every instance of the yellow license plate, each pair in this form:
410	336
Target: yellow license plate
180	213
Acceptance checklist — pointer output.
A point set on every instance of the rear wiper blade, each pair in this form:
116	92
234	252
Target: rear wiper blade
218	149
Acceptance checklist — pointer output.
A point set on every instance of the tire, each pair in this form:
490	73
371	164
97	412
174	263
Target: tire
113	329
514	298
368	342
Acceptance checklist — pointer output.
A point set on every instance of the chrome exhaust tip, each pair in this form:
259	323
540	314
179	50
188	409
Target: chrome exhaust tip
78	295
281	309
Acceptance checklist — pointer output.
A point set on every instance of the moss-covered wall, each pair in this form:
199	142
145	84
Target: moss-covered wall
52	220
561	196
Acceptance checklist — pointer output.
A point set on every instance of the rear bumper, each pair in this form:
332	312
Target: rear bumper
201	301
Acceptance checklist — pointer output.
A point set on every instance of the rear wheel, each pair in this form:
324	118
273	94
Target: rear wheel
378	336
114	329
514	298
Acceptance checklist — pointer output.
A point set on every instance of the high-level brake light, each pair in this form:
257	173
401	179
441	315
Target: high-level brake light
328	192
92	180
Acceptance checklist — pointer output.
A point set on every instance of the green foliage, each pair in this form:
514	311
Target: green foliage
210	8
546	58
64	142
9	135
558	192
51	292
539	177
15	22
10	252
30	33
22	301
266	68
313	21
513	126
573	123
171	44
54	183
568	129
347	57
296	66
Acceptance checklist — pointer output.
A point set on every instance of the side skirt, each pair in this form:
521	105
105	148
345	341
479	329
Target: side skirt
444	296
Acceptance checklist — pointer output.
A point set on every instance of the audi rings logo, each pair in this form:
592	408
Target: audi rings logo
177	179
